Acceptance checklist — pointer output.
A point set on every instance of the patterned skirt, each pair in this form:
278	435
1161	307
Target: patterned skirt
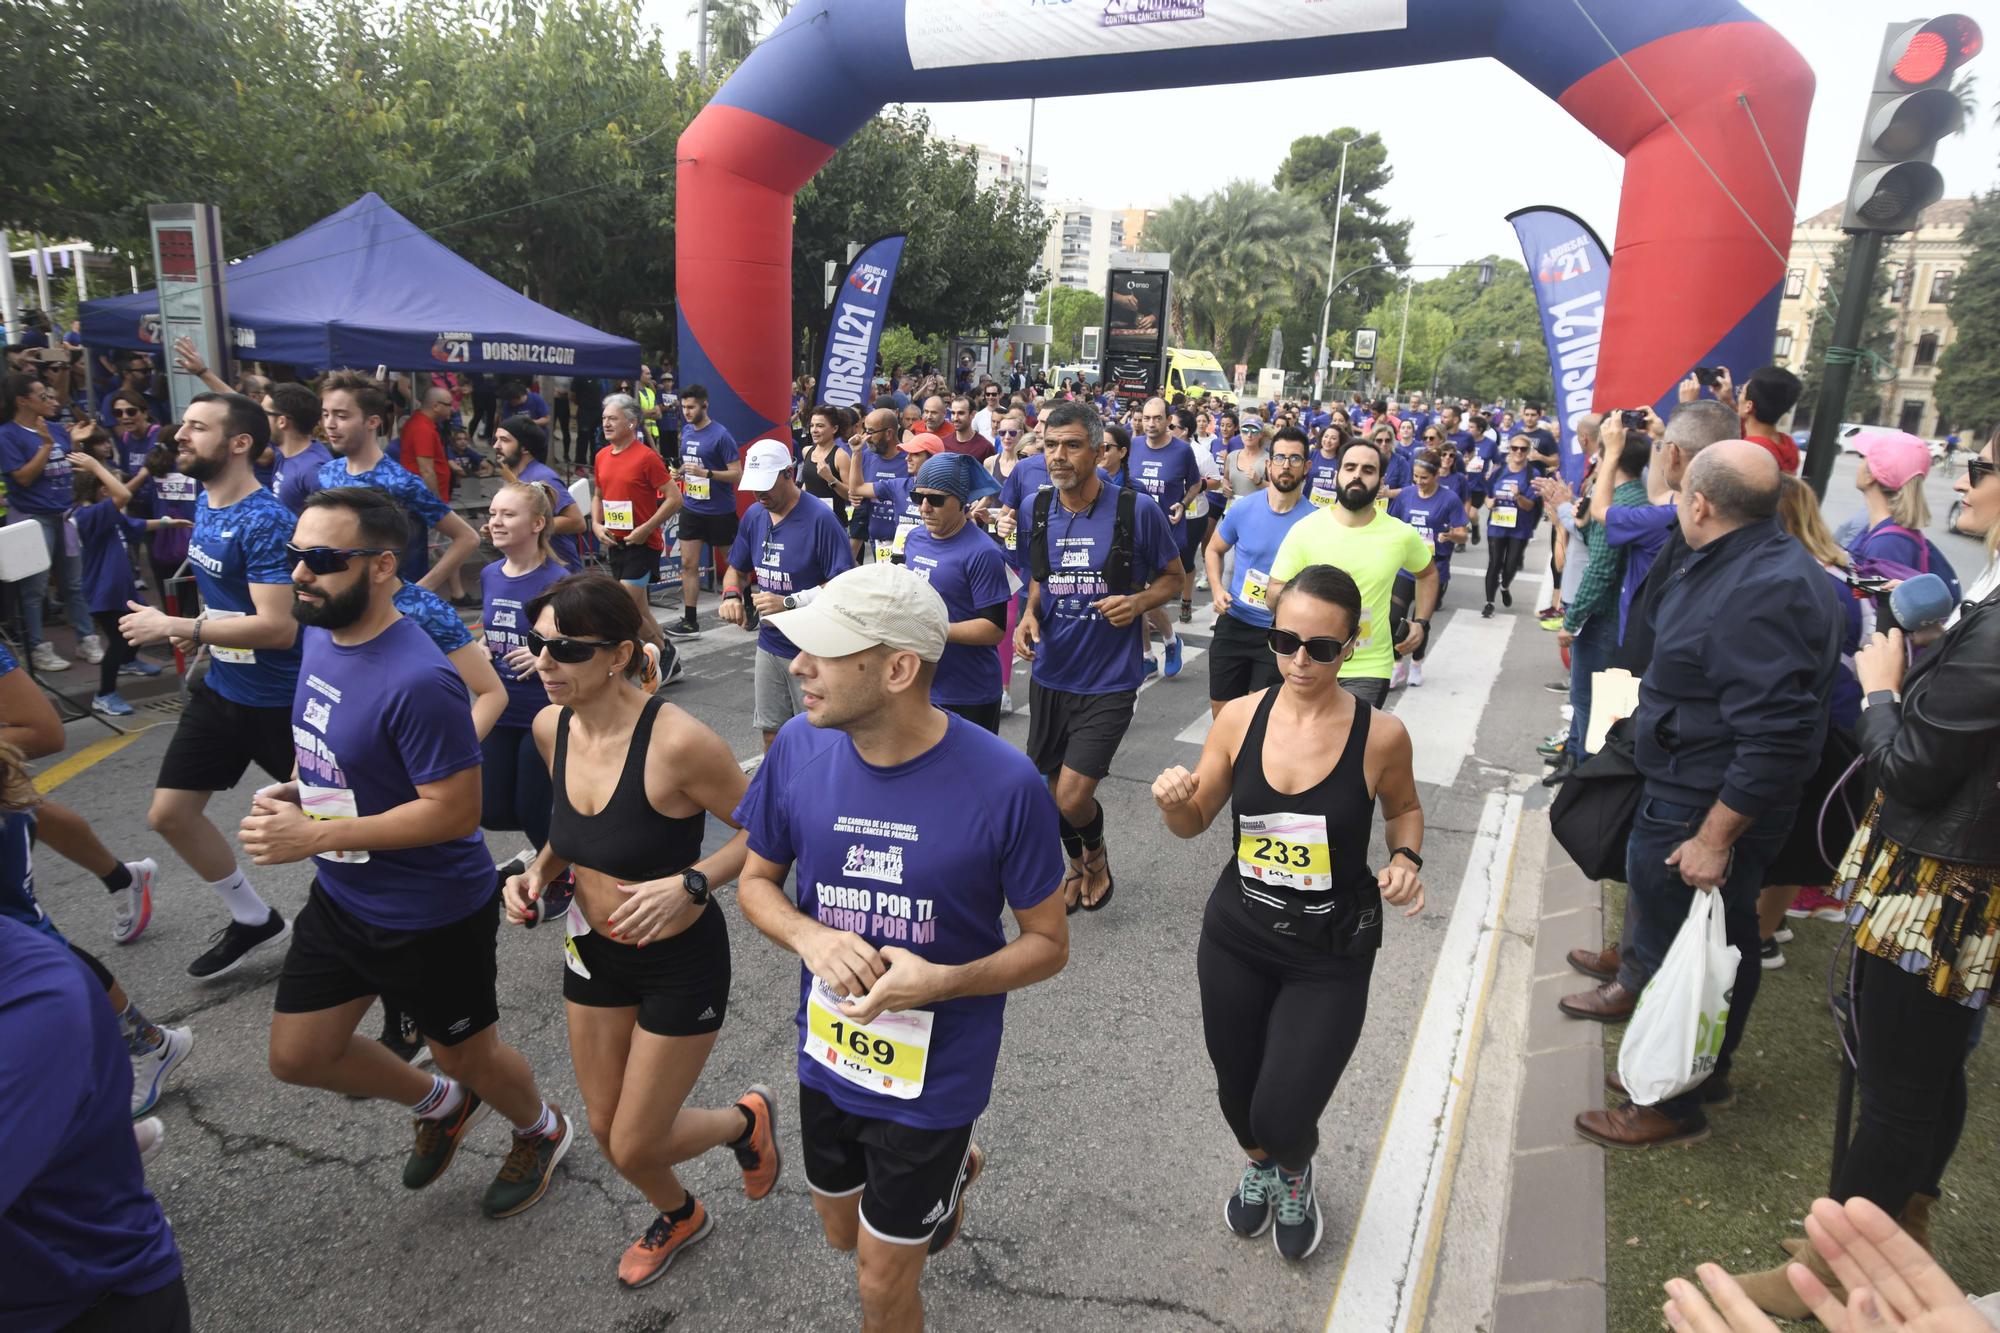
1937	919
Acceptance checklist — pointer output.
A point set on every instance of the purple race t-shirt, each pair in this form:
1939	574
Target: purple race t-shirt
102	530
1082	652
1165	474
506	600
370	724
713	447
879	855
803	550
967	570
562	543
293	479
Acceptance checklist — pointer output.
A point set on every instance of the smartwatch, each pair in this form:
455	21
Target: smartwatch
696	884
1880	697
791	602
1415	860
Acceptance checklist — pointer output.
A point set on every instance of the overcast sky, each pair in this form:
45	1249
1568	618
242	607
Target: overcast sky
1459	167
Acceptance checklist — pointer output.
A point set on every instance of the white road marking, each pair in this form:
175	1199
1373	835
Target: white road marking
1196	732
1443	713
1386	1276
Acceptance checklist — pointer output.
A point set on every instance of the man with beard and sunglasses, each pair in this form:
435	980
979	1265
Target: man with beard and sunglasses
404	903
1373	548
240	712
1254	527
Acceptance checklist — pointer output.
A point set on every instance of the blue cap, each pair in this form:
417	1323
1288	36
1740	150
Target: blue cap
958	475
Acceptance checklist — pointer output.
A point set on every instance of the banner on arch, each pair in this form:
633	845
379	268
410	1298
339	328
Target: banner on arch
854	325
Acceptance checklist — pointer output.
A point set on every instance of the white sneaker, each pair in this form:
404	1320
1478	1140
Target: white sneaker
44	658
1006	702
132	907
1401	675
1416	673
149	1071
150	1134
90	648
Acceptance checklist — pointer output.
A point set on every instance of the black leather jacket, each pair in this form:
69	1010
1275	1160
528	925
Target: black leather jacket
1936	757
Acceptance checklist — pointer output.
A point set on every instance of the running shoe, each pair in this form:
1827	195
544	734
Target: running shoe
1783	934
1552	745
149	1134
1769	956
1551	623
530	1166
1173	655
1507	598
139	666
45	658
954	1222
229	946
686	627
517	864
1006	702
653	1253
1816	903
759	1158
1416	673
437	1141
1400	676
1152	668
1560	685
132	906
150	1070
649	669
1475	533
90	648
1299	1224
110	705
1187	613
1248	1211
1486	611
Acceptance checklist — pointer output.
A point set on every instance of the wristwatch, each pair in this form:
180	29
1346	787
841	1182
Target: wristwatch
791	602
1881	697
695	883
1415	860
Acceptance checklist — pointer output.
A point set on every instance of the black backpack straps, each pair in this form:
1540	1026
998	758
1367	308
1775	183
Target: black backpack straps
1124	525
1038	535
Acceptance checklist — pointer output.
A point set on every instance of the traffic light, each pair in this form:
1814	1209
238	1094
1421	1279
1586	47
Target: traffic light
1911	108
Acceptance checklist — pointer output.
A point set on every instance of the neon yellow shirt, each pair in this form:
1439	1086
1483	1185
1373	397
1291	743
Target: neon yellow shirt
1373	554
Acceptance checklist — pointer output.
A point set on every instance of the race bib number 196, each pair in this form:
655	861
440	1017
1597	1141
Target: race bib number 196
887	1056
1286	850
618	515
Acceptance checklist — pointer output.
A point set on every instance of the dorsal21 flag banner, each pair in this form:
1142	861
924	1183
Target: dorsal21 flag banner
1572	277
854	325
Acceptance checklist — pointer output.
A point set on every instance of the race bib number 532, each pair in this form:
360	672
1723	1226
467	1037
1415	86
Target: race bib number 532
886	1056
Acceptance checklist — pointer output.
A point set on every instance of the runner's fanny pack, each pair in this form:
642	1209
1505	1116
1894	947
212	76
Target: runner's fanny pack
1351	925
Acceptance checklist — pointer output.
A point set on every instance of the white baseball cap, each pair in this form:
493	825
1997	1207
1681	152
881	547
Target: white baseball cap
869	606
766	461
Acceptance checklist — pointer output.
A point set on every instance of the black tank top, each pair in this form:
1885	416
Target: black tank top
628	839
1300	864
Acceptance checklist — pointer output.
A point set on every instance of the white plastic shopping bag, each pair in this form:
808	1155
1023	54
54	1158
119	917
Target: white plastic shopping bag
1676	1032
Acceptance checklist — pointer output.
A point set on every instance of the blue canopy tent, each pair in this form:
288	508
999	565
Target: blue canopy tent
365	287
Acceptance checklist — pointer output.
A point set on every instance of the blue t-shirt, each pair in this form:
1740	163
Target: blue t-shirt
435	615
230	549
76	1219
534	407
375	721
17	873
1256	533
879	855
293	479
1640	530
884	472
1513	492
1081	652
102	530
49	493
506	601
1165	474
562	543
803	550
408	489
967	570
714	447
1433	517
1401	460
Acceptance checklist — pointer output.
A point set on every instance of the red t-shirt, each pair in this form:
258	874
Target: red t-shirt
978	447
420	440
628	485
1783	449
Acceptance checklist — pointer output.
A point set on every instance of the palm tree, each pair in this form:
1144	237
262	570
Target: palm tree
732	27
1966	89
1242	257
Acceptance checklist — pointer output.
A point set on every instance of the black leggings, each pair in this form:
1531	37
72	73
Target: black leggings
164	1310
1279	1035
117	652
514	784
1503	561
1912	1047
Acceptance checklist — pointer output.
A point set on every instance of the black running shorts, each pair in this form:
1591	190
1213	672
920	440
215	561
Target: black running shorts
908	1179
631	564
1239	660
680	984
218	739
443	978
710	529
1076	731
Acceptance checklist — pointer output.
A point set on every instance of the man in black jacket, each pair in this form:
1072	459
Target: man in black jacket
1732	715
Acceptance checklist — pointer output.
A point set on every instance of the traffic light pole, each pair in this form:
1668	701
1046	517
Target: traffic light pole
1842	355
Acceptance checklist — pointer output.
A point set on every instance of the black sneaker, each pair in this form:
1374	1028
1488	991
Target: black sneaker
685	628
437	1141
1506	597
228	947
1299	1225
1475	533
1486	611
1248	1211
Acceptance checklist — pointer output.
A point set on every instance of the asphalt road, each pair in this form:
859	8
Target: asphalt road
1107	1164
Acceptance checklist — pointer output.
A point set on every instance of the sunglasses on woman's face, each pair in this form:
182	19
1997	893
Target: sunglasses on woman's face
571	651
125	412
1010	434
1978	470
328	559
1325	651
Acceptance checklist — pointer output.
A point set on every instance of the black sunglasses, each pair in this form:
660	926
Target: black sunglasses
1978	470
329	559
1325	651
571	651
125	412
931	499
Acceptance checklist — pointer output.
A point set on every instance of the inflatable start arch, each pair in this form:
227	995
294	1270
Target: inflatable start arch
1704	223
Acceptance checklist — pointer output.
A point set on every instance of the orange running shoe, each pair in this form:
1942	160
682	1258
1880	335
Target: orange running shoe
654	1252
759	1157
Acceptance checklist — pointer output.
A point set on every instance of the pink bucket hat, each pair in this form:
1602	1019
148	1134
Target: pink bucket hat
1894	458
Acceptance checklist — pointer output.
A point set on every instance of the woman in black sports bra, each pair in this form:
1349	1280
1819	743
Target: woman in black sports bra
1289	936
646	950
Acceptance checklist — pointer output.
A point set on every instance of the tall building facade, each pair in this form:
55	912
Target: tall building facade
1921	264
1006	166
1081	241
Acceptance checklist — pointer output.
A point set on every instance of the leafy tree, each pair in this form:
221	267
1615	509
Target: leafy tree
732	27
1878	342
1069	312
1242	258
1368	235
1968	382
902	349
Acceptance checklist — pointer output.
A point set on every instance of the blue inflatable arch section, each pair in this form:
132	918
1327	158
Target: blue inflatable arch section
1704	223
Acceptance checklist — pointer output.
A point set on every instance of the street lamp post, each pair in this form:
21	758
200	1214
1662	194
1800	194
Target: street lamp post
1326	310
1404	336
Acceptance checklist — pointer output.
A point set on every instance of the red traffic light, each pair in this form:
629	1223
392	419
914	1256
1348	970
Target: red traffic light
1934	49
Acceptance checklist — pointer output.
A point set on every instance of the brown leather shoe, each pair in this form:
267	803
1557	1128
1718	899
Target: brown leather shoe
1773	1293
1609	1003
1716	1093
1631	1126
1599	963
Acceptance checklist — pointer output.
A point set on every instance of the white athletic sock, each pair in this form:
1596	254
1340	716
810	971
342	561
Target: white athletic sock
545	1124
445	1096
241	900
